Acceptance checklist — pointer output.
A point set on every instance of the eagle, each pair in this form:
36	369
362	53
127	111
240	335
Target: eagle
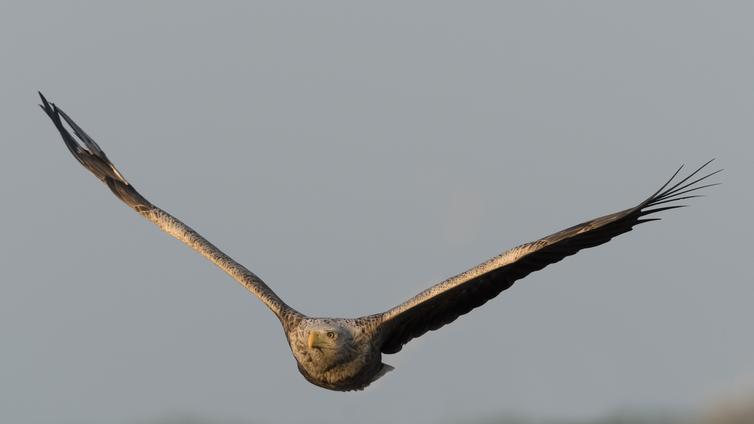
345	354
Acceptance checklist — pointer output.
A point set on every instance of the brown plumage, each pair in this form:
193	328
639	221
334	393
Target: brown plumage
344	353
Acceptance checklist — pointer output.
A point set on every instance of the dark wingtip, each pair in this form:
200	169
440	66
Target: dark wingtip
45	104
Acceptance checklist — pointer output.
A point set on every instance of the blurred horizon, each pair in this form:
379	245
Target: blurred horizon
737	409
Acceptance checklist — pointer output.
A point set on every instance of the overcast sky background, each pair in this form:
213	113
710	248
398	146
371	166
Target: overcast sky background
352	155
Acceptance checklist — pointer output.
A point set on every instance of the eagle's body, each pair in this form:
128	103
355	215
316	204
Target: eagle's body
346	354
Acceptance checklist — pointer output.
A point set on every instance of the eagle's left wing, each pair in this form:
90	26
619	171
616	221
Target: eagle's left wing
446	301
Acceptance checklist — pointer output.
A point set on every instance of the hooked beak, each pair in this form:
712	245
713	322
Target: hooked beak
313	340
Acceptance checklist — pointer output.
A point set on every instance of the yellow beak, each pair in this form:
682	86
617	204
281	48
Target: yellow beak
313	340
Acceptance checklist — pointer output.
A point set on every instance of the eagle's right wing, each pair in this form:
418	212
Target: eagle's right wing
94	159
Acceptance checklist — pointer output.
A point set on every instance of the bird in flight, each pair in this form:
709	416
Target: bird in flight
346	353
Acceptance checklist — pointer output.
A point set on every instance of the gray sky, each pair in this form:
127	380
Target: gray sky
352	155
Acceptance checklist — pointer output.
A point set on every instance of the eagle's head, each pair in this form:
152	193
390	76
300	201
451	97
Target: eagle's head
335	353
329	344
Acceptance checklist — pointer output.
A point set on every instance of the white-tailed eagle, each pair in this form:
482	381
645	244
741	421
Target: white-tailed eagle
346	353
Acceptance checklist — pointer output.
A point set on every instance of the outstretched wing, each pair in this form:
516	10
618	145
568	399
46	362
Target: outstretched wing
91	156
446	301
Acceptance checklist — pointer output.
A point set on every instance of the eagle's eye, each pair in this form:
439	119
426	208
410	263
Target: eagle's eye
331	334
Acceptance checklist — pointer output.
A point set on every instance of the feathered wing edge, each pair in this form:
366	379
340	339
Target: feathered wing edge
446	301
91	156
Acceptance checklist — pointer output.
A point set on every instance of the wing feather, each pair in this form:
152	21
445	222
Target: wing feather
442	303
91	156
